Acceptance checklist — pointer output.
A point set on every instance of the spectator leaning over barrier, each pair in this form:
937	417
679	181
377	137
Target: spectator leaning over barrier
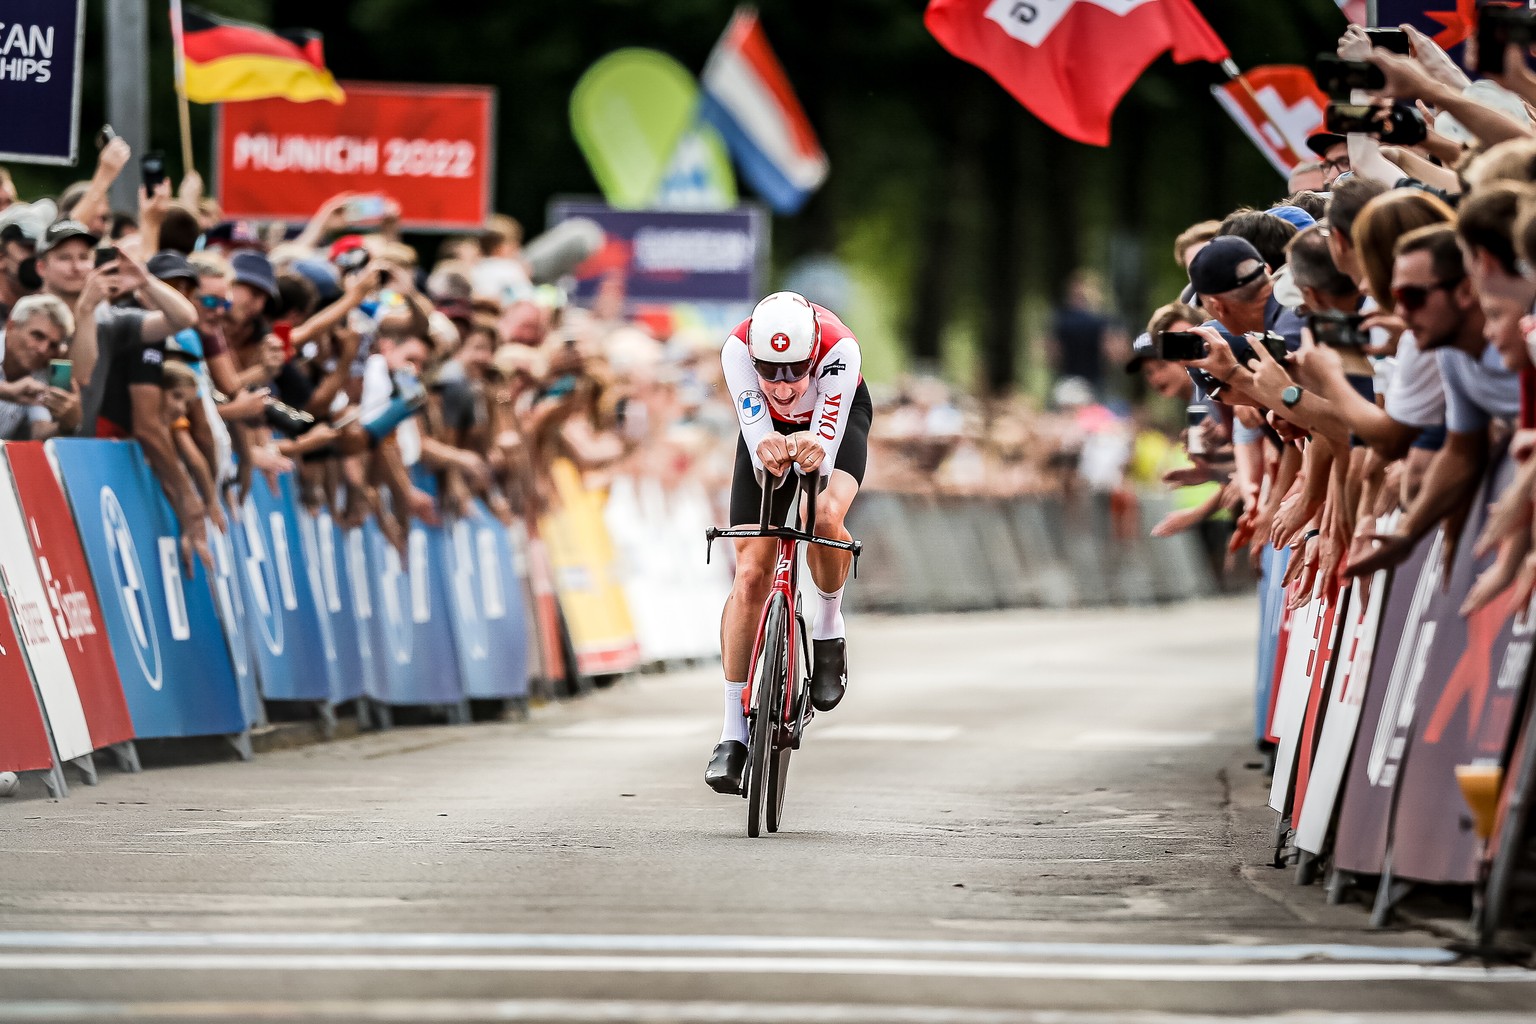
128	400
462	412
391	393
1431	287
36	332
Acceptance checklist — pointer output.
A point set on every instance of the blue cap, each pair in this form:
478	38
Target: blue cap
1293	215
1142	350
323	276
253	269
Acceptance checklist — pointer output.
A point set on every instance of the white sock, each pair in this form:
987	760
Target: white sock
735	719
829	616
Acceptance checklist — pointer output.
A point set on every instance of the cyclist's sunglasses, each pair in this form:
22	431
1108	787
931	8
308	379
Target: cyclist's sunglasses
1412	297
775	373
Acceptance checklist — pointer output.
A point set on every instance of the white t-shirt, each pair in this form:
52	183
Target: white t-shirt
1416	397
378	388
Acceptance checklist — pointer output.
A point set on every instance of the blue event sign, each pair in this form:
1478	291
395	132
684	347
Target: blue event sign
229	597
672	256
413	651
166	637
485	602
325	555
40	48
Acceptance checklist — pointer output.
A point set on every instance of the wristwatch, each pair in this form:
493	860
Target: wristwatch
1290	396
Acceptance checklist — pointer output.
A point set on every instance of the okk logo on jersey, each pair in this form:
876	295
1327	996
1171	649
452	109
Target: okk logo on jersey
132	592
752	406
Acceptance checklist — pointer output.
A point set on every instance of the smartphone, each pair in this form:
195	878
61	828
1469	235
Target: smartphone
1498	25
1338	330
1393	40
105	136
59	373
152	166
365	210
1180	346
1347	118
105	254
1338	77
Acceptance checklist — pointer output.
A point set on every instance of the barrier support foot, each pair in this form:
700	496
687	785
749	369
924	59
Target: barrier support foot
1282	838
1338	884
1389	894
516	709
53	778
127	757
241	741
327	719
382	714
364	713
87	765
1306	868
459	714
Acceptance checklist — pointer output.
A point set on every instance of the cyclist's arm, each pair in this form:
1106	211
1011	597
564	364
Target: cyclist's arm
747	393
837	378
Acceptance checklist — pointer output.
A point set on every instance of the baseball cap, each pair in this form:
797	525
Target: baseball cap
27	221
1142	349
169	265
322	275
1293	215
344	244
252	268
1322	140
61	231
1226	263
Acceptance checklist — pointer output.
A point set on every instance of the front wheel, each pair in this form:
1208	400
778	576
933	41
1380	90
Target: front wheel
768	696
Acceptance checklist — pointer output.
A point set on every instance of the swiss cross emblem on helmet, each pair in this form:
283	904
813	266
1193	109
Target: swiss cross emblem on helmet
780	342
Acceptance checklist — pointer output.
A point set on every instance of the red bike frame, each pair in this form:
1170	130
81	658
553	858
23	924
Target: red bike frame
786	578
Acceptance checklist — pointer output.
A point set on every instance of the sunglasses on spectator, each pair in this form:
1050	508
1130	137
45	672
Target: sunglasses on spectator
1341	165
1412	297
213	302
775	373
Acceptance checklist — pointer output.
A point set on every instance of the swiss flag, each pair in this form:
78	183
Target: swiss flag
1070	61
1277	107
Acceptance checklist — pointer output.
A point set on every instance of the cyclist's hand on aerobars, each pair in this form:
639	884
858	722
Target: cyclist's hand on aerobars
806	451
773	453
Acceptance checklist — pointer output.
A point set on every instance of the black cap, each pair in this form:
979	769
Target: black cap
61	231
1142	349
1224	264
169	265
1321	141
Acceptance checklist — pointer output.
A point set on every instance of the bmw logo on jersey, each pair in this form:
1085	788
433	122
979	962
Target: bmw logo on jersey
752	406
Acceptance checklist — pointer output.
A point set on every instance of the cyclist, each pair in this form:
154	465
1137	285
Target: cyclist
793	370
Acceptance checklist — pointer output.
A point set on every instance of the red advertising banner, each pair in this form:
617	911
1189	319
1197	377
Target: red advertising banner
428	147
23	737
72	598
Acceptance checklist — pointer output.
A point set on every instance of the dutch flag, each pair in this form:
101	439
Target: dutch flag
749	101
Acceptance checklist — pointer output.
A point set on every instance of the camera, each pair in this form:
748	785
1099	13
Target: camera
1242	347
1338	330
152	167
1180	346
286	419
352	260
1393	40
1398	125
1338	77
1498	26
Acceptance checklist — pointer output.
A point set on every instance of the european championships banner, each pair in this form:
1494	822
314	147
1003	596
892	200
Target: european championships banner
40	43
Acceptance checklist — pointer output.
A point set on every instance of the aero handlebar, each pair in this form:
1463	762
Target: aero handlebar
807	487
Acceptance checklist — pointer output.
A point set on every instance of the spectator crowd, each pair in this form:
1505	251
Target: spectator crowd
1359	352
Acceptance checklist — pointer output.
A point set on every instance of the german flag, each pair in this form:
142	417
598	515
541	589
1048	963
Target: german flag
228	61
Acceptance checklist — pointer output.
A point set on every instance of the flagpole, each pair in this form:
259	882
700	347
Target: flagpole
181	87
1233	72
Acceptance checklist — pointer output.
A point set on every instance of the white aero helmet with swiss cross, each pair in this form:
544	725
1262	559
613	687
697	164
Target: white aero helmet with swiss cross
782	336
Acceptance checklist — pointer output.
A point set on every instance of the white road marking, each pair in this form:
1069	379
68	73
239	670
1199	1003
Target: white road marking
656	727
604	1011
886	733
685	965
1138	739
782	944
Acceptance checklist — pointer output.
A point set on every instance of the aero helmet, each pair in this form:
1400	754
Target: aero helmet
782	336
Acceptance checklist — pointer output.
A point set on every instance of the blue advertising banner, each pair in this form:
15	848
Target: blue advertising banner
485	602
290	649
40	47
325	557
166	637
414	658
229	596
673	256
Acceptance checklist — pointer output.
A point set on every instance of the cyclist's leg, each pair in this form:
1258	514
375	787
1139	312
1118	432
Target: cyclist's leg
829	568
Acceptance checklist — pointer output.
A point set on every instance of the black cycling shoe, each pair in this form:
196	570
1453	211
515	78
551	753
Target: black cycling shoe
829	673
726	766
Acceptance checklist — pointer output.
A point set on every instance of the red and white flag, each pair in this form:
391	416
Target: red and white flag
1277	107
1069	62
1355	11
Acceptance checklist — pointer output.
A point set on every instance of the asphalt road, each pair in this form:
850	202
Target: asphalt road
1023	817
